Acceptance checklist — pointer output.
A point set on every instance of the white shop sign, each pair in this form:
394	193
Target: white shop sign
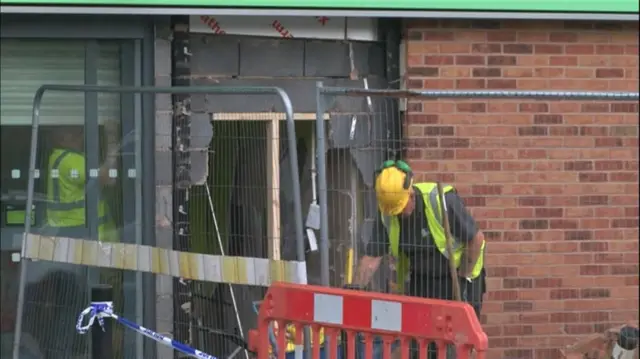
311	27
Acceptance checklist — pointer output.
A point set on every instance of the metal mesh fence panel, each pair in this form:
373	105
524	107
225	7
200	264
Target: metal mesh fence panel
239	205
523	177
242	232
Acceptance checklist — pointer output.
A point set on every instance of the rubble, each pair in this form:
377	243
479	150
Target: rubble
598	346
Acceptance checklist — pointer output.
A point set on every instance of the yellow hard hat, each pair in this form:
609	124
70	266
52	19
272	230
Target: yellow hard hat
392	190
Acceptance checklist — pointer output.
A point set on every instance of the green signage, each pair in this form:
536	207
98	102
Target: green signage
571	6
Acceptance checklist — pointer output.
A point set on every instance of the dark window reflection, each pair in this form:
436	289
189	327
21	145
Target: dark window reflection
55	293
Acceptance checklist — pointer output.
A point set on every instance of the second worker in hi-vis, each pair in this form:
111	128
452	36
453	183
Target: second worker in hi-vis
410	229
67	186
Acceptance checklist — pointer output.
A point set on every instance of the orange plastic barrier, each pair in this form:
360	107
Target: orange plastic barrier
368	315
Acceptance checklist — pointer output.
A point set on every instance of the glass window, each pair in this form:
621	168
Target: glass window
51	287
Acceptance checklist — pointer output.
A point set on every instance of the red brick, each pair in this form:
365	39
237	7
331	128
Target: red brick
533	131
471	84
550	181
610	49
501	60
470	60
578	235
486	48
535	107
487	72
563	37
501	84
548	49
438	60
517	49
438	35
610	73
580	49
548	212
593	177
517	306
500	36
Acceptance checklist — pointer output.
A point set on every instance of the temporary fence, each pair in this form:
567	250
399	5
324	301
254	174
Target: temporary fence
371	325
120	255
512	156
356	325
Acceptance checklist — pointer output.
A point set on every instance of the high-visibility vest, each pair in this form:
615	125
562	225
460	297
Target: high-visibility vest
291	334
433	216
66	207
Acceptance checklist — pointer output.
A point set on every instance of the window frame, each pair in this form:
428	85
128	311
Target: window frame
137	37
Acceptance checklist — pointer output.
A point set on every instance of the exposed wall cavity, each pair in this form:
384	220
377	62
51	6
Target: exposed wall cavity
229	155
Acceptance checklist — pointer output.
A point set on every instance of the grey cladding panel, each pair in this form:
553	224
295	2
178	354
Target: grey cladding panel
215	55
367	161
271	57
331	59
301	92
164	168
342	103
341	135
368	58
326	59
199	167
202	132
163	58
375	59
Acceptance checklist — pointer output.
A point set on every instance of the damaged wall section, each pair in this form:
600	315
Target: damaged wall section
234	162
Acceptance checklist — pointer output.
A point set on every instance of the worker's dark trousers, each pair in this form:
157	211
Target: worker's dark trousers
442	288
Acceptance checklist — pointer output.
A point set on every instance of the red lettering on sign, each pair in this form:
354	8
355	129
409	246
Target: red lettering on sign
281	29
213	24
322	19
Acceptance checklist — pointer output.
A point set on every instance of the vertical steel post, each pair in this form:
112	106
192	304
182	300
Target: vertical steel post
322	187
322	192
297	202
102	336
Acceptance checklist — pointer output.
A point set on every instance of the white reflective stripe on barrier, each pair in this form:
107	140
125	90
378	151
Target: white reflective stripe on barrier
383	315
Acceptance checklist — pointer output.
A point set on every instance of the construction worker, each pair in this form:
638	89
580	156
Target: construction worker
66	210
410	229
66	185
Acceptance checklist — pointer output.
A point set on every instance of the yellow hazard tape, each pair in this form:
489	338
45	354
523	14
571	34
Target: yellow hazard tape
187	265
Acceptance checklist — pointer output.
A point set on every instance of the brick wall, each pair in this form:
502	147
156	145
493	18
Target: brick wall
554	184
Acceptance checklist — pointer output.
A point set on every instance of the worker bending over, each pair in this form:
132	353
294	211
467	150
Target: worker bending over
410	229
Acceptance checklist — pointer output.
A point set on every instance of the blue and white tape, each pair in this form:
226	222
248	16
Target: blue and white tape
100	310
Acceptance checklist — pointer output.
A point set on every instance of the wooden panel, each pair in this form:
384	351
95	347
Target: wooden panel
273	188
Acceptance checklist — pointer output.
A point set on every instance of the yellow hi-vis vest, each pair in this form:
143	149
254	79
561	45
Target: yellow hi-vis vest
291	334
433	216
66	189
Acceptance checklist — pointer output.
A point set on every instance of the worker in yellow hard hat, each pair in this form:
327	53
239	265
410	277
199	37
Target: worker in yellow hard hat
410	230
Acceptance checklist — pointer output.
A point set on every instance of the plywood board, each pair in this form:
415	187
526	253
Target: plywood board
273	188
